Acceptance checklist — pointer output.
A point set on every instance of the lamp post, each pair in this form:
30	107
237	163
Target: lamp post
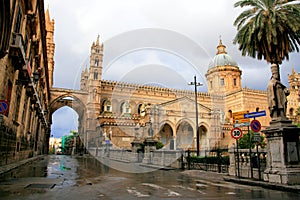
196	104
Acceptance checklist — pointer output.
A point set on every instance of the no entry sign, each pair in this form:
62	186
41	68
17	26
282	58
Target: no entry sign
255	125
236	133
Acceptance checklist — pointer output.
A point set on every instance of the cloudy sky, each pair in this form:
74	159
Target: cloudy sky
163	42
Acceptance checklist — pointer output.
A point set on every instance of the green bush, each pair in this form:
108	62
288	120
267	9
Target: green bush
224	160
159	145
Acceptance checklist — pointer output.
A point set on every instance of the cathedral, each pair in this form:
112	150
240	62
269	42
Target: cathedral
125	111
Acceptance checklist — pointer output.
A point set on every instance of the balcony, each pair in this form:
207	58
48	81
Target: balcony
16	49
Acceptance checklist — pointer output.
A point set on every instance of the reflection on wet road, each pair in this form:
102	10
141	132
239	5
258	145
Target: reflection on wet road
66	177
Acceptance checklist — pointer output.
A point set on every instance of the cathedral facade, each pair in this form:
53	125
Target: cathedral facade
124	111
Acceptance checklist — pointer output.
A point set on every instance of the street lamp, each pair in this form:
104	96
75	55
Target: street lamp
197	132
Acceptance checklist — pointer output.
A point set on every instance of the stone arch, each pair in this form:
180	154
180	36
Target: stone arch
106	105
203	135
125	107
69	100
166	133
76	101
184	134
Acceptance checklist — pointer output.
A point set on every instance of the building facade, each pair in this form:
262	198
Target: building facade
24	81
293	106
125	111
111	111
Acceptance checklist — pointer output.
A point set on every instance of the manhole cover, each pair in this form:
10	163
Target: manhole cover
38	185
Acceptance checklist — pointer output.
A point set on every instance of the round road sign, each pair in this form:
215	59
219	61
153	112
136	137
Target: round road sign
236	133
3	106
255	125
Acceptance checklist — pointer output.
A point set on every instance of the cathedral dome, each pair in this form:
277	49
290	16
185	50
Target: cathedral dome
222	58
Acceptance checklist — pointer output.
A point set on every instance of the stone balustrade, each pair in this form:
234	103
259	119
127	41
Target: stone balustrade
240	163
160	158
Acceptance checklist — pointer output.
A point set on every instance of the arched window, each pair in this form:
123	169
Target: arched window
257	109
230	113
142	109
291	112
95	75
222	82
107	106
96	62
125	107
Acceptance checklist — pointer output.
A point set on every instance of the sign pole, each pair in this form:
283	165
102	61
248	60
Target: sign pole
250	152
238	157
237	133
258	162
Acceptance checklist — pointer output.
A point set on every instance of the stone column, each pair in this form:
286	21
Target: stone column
283	164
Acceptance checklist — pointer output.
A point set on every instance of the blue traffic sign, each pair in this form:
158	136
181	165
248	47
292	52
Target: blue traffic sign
255	125
255	114
3	106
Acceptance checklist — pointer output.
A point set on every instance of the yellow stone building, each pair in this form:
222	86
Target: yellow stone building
111	110
293	107
126	110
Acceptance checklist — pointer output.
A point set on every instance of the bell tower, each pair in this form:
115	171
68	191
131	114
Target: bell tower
96	58
93	87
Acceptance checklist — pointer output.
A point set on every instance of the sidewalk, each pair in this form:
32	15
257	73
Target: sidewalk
6	168
214	176
268	185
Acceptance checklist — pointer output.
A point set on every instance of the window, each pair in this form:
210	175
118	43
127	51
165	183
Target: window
234	81
107	106
125	107
96	62
222	82
230	113
291	112
95	75
18	21
211	84
142	110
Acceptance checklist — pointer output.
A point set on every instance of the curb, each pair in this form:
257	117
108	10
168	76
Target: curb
274	186
6	168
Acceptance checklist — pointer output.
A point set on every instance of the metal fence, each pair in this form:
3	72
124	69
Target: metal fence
215	160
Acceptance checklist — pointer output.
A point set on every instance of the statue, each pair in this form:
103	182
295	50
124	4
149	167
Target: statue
277	94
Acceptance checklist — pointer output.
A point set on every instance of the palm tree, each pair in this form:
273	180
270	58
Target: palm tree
270	29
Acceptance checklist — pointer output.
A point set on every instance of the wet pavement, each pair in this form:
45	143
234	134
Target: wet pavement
66	177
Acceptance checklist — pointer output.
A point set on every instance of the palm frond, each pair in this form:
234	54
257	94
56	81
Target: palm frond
269	29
